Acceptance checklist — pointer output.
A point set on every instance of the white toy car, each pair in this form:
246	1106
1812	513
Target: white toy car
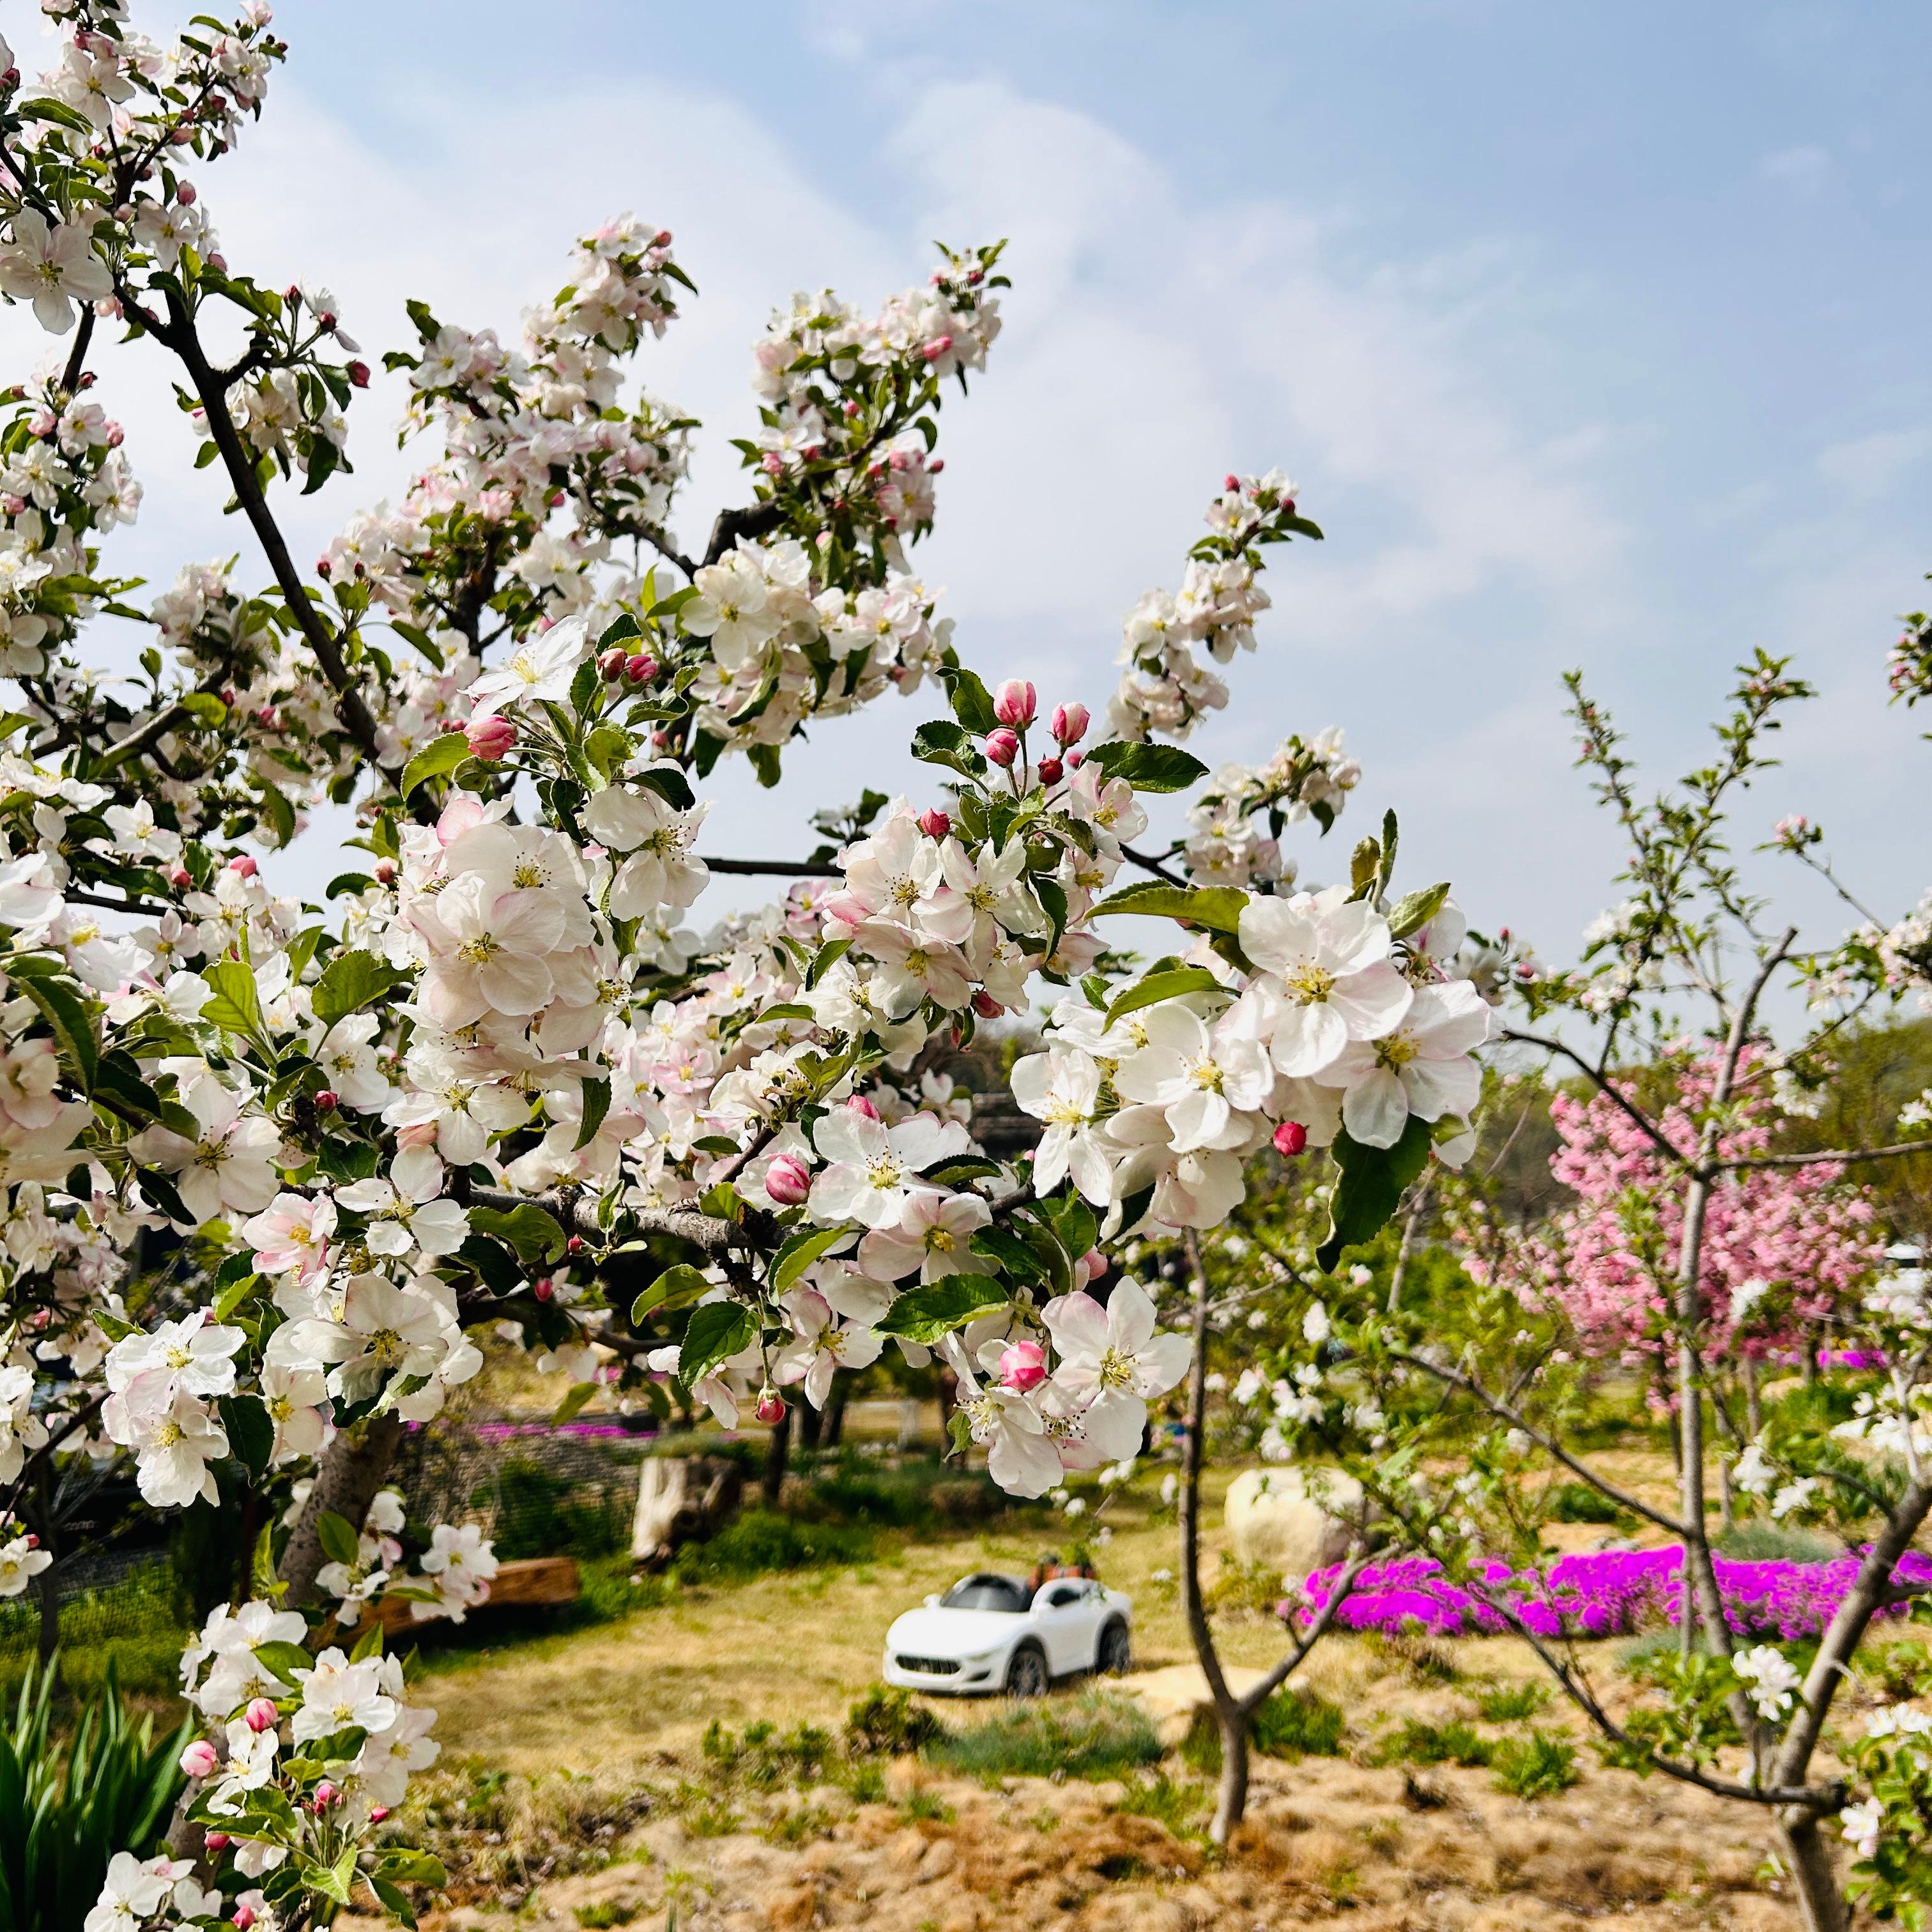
990	1632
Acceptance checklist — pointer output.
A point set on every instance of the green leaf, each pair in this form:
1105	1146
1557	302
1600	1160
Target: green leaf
534	1235
596	1104
348	882
924	1314
235	1007
1147	767
441	755
580	1393
232	1296
351	981
1073	1222
799	1253
678	1287
395	1902
717	1331
1159	986
63	1008
1217	907
1369	1187
944	743
1014	1255
828	956
1364	863
205	708
1414	911
670	783
957	1173
408	1867
285	1659
336	1534
972	702
251	1434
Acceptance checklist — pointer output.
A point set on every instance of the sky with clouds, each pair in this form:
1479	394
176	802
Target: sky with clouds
1593	337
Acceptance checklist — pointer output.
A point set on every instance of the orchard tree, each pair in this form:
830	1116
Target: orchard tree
1701	1238
276	1174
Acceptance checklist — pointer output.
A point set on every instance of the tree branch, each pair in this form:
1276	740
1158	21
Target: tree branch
776	868
1257	1695
1497	1406
1610	1088
1843	1155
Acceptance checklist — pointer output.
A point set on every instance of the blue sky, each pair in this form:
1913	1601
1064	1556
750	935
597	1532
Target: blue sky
1592	335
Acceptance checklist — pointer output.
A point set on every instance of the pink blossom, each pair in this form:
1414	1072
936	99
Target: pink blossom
1015	702
1069	723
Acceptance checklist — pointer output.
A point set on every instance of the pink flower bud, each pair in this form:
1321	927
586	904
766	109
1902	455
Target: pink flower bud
1050	770
243	867
1069	723
490	738
262	1715
216	1841
787	1180
1075	760
576	1245
385	871
327	1101
199	1759
611	664
218	262
771	1408
542	1287
244	1916
640	669
185	194
181	878
1022	1365
1095	1263
1290	1138
934	822
1002	747
325	1795
859	1104
985	1005
358	374
937	347
1015	702
377	1813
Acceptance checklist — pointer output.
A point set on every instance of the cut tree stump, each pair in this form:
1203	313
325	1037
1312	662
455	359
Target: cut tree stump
681	1499
529	1582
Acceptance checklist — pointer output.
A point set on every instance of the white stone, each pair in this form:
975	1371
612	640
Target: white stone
1293	1520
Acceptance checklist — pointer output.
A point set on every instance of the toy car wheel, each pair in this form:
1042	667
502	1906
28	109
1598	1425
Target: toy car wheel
1026	1674
1116	1657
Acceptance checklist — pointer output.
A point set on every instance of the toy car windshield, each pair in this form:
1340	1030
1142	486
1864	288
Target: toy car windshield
987	1593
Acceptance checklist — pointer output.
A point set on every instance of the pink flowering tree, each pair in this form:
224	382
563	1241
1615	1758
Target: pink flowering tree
277	1174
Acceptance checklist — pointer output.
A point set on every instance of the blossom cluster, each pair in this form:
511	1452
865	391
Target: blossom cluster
1166	688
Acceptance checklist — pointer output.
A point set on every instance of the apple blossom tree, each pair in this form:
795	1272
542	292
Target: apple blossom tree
277	1173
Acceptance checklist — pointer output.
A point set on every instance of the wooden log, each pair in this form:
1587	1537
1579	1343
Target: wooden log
527	1583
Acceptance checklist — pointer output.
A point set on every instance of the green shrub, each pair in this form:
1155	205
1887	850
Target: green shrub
887	1723
1177	1804
1094	1736
1579	1502
758	1542
1295	1724
1774	1542
1537	1766
605	1913
539	1514
764	1757
63	1814
1291	1724
1455	1742
1509	1703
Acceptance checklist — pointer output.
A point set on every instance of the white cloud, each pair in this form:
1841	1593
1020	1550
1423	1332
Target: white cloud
1870	465
1806	170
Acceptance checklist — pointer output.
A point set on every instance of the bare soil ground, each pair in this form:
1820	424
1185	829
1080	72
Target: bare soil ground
574	1791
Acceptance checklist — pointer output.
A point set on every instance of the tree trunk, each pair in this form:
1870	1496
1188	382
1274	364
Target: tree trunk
835	1412
1814	1879
777	1452
811	1426
352	1470
1753	1401
1231	1799
1232	1721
